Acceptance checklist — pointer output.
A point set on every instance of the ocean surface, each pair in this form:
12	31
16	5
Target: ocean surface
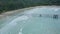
34	21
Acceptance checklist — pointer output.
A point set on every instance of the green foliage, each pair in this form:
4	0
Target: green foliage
6	5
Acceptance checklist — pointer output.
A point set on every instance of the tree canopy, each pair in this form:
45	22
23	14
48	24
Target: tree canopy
6	5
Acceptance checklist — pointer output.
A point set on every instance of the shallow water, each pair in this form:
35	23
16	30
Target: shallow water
39	25
32	23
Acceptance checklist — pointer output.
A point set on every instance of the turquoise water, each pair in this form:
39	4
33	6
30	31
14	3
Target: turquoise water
34	21
39	25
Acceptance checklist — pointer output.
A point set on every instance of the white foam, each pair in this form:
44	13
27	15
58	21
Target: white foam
12	24
21	29
20	18
56	9
20	32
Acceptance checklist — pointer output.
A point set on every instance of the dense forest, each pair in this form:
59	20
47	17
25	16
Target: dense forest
6	5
